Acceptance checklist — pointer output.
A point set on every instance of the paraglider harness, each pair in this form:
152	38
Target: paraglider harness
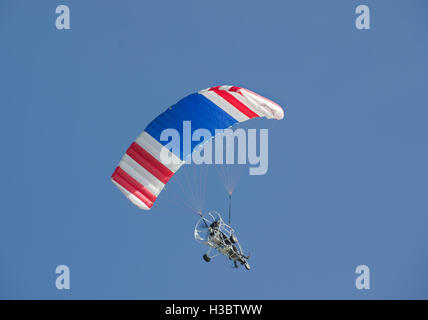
212	231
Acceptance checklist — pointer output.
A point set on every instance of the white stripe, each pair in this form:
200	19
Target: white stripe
140	204
152	146
140	174
223	104
266	108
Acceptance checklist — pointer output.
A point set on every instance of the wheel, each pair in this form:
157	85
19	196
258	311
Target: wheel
206	258
247	266
233	239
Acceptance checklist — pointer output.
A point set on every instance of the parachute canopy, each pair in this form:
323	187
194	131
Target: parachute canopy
141	174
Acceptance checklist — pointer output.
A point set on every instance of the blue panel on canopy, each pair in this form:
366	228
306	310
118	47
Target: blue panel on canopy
195	108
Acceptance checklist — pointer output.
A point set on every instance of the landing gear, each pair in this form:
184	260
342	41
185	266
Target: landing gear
212	231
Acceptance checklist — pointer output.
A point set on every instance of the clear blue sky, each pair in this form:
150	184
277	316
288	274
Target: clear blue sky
347	180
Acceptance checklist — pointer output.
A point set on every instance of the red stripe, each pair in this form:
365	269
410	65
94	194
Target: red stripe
236	103
134	187
234	89
143	190
214	88
150	163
